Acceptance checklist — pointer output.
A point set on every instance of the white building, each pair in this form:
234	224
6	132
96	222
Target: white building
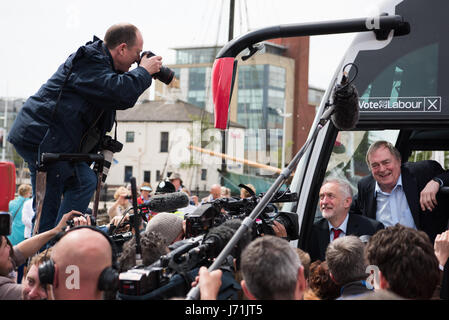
156	136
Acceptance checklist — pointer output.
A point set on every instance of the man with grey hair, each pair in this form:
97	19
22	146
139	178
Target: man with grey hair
404	193
346	261
335	201
271	270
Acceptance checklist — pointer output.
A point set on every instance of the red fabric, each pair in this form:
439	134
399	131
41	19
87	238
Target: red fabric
336	232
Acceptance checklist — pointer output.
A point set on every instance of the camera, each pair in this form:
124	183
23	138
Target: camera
165	75
5	224
108	147
93	220
211	215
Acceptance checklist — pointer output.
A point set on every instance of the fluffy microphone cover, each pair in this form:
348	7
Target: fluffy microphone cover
346	102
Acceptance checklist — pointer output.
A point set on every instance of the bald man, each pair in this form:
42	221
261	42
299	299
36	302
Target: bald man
79	258
215	193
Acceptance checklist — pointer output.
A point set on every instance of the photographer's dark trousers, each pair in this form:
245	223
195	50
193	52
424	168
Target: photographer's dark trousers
76	187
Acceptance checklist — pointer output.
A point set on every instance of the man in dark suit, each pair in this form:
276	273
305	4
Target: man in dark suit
404	194
335	201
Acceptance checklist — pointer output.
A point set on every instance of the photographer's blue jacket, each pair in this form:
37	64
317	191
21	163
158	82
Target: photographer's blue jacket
92	93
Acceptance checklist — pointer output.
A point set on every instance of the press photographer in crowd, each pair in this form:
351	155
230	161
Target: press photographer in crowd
11	257
72	112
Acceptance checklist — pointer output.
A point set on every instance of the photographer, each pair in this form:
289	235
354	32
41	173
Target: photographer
11	257
75	108
121	203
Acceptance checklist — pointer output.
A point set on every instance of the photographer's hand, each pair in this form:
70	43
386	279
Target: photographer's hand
68	216
152	65
209	282
279	229
83	220
30	246
118	219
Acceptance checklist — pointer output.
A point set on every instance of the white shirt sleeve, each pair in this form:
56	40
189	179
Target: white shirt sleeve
27	217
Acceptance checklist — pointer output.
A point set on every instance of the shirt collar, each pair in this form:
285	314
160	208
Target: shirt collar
398	184
343	226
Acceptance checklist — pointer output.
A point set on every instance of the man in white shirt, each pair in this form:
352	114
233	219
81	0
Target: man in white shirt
402	193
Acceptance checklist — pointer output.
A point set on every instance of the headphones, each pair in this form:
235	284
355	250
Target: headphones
108	280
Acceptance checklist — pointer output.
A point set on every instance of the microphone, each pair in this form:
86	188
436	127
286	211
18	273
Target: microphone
166	202
217	238
346	103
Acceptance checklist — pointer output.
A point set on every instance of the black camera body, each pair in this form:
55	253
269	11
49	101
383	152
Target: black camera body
5	224
111	144
211	215
165	75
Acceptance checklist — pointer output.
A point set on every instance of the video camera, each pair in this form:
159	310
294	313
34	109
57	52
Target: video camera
211	214
171	275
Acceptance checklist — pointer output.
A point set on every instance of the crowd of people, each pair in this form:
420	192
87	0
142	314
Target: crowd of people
388	241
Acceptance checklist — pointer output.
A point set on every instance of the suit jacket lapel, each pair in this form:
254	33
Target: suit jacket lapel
352	227
411	193
324	236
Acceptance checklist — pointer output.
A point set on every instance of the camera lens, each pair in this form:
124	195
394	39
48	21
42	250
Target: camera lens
165	74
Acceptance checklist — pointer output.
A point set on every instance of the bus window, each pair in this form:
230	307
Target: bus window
347	160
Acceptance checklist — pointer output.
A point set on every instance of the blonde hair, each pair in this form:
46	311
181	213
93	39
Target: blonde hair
120	191
245	192
24	189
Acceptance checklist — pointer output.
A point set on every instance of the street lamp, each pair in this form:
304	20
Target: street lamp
284	116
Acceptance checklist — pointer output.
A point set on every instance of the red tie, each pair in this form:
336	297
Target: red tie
336	233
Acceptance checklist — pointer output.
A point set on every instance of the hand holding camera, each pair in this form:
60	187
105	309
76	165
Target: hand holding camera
151	64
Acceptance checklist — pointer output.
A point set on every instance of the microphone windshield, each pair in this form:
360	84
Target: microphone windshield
167	202
346	102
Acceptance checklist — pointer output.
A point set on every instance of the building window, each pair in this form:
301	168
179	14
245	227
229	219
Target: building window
128	173
158	175
129	136
203	174
147	176
164	142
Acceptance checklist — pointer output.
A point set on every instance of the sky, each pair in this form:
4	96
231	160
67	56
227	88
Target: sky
37	36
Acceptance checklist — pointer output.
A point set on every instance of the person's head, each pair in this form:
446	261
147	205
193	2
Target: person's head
125	43
32	287
384	162
25	190
145	190
406	261
120	194
168	225
271	270
244	193
79	258
153	246
6	256
304	257
215	191
321	283
225	192
175	178
346	261
335	200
